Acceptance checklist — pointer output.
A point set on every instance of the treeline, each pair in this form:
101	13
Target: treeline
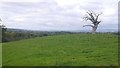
8	36
16	34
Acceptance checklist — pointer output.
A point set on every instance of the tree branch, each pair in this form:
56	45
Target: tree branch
88	25
97	16
91	15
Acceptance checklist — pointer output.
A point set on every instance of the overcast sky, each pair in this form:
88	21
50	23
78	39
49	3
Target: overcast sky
57	14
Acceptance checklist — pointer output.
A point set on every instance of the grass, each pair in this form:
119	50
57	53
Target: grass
0	54
63	50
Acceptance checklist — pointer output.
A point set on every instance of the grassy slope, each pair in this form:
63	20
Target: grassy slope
0	54
74	50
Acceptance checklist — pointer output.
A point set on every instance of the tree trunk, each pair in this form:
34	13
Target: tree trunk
94	28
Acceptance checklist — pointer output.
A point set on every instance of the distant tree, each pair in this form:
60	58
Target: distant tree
2	31
45	34
93	17
2	27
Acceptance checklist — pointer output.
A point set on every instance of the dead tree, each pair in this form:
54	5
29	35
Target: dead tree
3	29
1	25
93	17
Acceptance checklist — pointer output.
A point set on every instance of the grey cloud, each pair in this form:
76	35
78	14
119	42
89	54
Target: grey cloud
46	15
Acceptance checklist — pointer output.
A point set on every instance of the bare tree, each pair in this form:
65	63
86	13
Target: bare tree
2	31
93	17
1	25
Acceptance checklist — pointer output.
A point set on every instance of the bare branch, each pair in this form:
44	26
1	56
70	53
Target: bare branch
91	15
88	25
97	16
88	18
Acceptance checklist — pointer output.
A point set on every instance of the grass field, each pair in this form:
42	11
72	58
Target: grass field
0	54
63	50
